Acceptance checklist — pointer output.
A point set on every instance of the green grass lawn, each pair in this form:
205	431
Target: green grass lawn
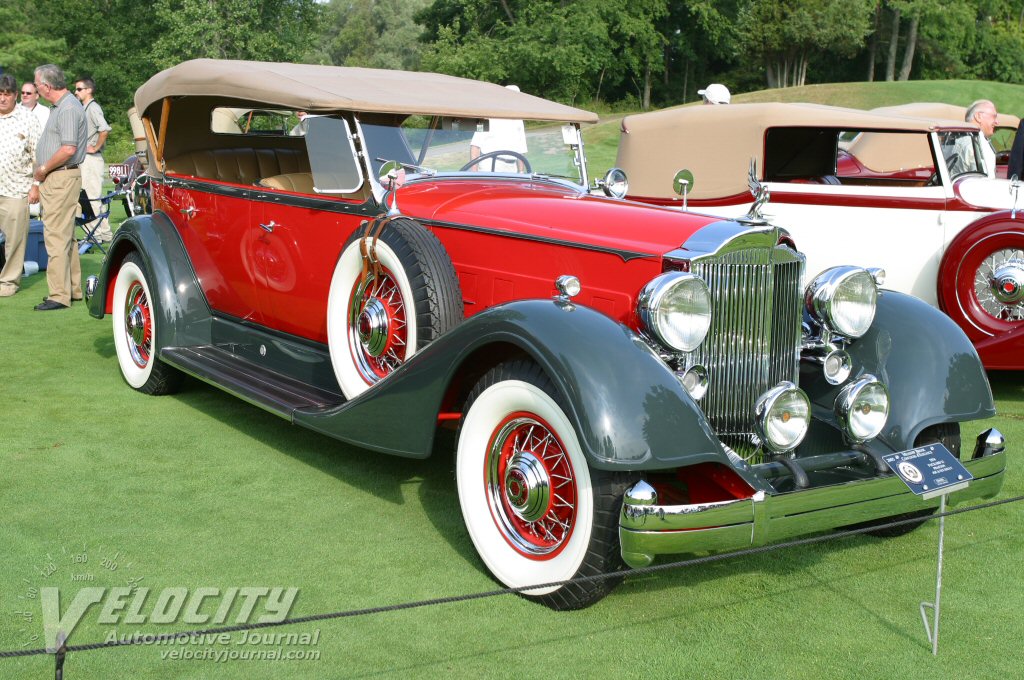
203	490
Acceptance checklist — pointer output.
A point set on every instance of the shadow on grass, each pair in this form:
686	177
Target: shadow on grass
378	474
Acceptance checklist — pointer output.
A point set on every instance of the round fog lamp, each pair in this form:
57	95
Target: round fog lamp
862	408
781	417
694	381
837	366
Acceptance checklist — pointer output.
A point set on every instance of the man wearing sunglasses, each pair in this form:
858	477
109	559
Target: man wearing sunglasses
30	101
94	169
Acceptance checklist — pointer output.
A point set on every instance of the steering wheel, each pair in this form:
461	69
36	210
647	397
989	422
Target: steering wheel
498	154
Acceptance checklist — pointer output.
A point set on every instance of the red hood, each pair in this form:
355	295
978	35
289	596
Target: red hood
550	211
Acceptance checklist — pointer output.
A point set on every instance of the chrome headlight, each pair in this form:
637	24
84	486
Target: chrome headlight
676	309
862	408
781	417
843	300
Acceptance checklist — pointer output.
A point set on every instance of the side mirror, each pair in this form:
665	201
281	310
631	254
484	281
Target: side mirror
614	183
682	184
391	175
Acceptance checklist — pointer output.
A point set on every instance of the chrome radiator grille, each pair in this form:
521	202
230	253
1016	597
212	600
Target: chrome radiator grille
754	341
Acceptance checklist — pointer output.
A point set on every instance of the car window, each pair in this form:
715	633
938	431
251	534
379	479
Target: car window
243	121
1002	139
450	145
886	155
332	156
962	152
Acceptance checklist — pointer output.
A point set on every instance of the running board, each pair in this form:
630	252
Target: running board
270	390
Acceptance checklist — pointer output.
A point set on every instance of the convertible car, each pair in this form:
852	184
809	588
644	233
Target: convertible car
909	195
624	381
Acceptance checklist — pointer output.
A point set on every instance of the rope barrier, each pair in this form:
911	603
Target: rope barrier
64	648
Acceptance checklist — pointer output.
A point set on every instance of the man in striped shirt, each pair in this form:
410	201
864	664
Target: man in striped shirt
57	184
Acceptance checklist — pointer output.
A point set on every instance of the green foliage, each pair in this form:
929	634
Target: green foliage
782	34
373	33
270	30
21	50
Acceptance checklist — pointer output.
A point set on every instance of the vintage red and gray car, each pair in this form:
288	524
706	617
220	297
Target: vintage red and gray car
909	195
624	381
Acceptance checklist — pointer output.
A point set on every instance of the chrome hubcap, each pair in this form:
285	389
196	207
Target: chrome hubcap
531	487
373	327
527	486
138	328
378	330
999	284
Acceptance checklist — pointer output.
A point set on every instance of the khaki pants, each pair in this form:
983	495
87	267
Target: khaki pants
58	198
14	223
93	170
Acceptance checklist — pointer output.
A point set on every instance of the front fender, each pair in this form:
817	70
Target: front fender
931	368
629	410
184	312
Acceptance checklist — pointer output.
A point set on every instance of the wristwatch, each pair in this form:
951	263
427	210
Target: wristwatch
36	182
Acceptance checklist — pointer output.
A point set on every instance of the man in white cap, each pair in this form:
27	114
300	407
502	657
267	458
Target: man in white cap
715	93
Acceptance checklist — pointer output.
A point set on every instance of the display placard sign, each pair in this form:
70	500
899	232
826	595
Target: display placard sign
929	471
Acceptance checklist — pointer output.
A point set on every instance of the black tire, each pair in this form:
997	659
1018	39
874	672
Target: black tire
947	434
415	273
135	317
515	429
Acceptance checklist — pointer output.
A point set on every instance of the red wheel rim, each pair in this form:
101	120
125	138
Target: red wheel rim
531	487
378	327
138	324
977	282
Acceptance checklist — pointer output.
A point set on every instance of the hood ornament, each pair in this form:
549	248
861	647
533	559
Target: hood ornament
760	194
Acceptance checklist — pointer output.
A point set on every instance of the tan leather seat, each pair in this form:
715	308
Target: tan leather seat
240	166
299	182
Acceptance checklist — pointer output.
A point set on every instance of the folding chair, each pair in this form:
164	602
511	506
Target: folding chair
89	221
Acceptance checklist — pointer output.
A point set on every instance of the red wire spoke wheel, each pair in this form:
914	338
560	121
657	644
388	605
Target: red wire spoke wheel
135	314
531	486
389	304
536	511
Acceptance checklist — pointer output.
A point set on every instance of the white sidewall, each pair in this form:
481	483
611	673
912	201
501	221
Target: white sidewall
348	269
507	564
126	276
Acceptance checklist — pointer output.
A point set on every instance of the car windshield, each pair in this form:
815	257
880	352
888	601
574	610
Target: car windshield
450	145
962	151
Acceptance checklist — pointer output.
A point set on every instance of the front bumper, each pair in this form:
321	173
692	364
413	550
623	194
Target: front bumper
647	530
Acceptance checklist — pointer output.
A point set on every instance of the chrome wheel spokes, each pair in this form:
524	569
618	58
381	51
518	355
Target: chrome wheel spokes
999	284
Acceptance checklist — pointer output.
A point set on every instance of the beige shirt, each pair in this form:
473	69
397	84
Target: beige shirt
19	134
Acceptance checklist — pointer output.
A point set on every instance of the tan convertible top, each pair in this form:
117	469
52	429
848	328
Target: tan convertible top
943	111
716	143
306	87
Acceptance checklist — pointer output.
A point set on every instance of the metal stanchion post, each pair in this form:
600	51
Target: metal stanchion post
933	631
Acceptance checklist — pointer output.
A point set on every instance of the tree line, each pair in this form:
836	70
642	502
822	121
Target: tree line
635	54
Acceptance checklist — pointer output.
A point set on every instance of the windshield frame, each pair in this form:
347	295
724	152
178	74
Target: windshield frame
415	170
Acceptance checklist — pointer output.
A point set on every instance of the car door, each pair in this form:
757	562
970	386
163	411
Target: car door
298	230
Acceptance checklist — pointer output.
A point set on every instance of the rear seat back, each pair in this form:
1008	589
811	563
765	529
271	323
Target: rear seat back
240	166
299	182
